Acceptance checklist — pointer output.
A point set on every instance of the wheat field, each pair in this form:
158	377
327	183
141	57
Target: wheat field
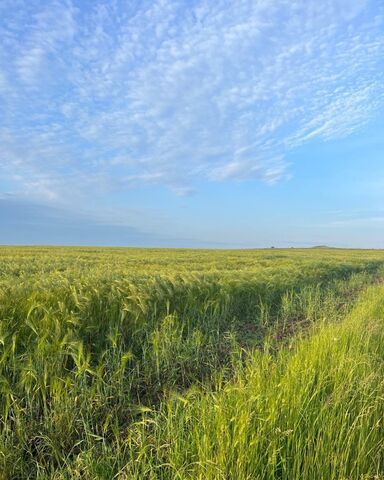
191	364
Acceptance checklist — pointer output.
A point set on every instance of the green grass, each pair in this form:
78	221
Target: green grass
314	411
162	364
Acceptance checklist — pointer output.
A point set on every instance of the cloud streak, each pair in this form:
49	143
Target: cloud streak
119	94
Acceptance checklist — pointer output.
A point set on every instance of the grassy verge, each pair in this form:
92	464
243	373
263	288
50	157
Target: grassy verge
314	411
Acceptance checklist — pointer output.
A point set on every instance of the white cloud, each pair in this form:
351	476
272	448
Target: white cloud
116	94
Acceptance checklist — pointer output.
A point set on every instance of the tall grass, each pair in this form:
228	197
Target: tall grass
311	412
110	358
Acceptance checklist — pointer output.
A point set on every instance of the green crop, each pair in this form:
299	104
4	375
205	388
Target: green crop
191	364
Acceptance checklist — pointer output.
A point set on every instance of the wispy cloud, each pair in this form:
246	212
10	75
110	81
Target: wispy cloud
117	94
358	219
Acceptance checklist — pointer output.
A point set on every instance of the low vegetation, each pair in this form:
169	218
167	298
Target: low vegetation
163	364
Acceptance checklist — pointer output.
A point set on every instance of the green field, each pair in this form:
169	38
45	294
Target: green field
191	364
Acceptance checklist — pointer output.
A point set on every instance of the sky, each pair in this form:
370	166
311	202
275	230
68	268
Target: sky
192	123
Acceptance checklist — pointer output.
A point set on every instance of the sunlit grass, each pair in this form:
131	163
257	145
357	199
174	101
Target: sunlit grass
190	364
314	411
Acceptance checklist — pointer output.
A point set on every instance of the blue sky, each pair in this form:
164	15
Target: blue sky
242	123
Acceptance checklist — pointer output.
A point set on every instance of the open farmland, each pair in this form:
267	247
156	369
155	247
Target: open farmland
191	364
